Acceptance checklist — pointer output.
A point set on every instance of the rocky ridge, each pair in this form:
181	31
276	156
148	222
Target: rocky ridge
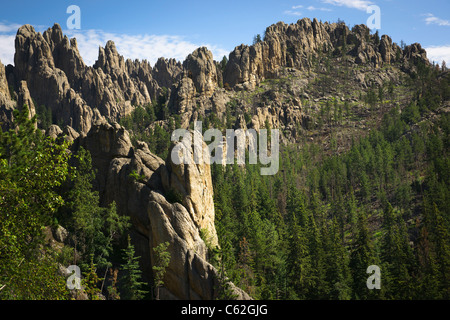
78	95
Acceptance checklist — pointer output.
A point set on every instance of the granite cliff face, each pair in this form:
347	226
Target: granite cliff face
78	95
7	104
295	46
200	67
155	220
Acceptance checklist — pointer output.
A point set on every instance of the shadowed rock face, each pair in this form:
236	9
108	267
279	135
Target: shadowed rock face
47	84
7	105
154	219
78	95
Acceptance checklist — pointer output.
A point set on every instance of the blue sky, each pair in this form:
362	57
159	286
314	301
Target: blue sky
150	29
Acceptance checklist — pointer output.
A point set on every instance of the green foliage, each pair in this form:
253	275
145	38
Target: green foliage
376	38
141	117
91	281
138	177
162	260
411	114
312	230
223	63
371	98
224	290
93	229
34	278
159	142
257	39
32	168
113	293
141	123
44	116
131	284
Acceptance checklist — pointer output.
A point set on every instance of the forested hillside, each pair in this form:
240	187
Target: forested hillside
311	231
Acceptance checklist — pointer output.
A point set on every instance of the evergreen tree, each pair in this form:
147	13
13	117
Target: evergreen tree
113	292
131	284
396	256
320	288
246	264
90	283
376	38
439	244
161	263
428	282
224	290
93	229
362	256
32	168
299	264
338	273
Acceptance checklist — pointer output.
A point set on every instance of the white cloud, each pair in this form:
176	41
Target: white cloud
355	4
7	36
141	46
439	53
293	13
7	49
8	27
431	19
312	8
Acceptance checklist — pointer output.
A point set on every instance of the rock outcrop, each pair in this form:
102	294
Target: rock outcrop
56	76
50	71
283	46
200	67
4	90
415	52
294	45
47	84
154	218
166	72
7	105
24	99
